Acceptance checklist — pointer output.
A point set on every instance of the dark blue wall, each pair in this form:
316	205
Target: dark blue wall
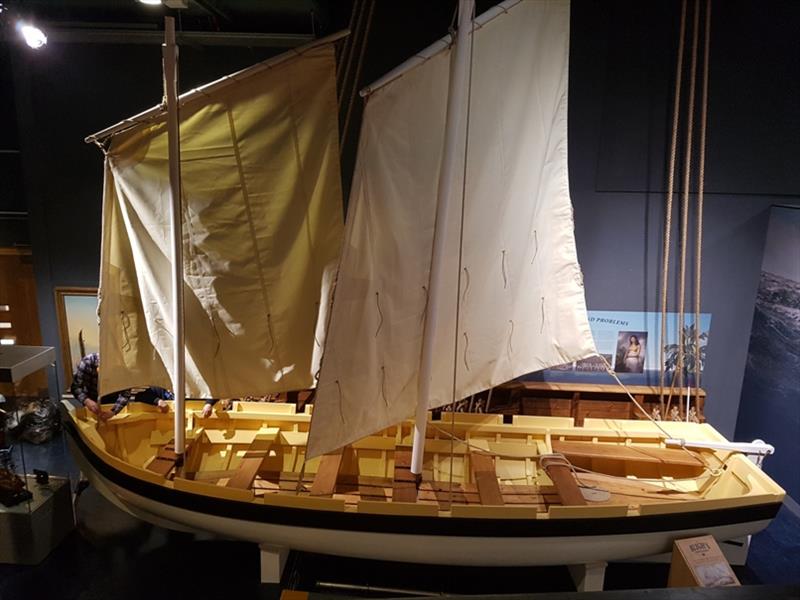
621	77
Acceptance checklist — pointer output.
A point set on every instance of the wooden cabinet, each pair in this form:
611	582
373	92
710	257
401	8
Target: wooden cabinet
19	315
581	401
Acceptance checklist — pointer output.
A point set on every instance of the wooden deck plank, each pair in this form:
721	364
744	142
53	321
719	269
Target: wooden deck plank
486	479
404	486
246	473
640	454
325	479
567	487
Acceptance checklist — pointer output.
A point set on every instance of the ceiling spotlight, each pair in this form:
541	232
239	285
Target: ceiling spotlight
34	37
151	2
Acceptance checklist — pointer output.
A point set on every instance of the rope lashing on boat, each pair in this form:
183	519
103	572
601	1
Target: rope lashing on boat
466	351
380	312
701	176
668	209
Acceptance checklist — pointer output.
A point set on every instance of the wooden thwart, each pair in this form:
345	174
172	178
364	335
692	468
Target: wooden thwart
638	454
325	480
565	483
404	485
486	479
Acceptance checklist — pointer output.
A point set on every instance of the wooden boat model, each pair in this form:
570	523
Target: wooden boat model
245	476
364	480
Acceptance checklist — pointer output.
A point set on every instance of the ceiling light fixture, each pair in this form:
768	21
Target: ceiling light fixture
151	2
33	36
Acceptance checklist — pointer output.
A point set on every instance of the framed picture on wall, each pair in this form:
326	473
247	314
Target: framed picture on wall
76	308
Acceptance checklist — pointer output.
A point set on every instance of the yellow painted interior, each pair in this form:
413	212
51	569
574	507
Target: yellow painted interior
130	440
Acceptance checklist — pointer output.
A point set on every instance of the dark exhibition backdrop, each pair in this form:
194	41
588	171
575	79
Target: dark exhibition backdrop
622	56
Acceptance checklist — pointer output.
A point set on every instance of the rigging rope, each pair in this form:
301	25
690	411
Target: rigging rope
685	200
701	175
350	45
357	75
668	210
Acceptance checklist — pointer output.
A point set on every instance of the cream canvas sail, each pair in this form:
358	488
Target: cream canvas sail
522	305
262	217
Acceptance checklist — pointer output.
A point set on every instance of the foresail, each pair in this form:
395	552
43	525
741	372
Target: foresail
522	304
262	219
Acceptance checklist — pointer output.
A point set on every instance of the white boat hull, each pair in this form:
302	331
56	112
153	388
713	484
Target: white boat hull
410	547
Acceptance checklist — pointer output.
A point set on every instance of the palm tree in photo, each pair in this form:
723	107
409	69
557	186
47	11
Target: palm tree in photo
690	352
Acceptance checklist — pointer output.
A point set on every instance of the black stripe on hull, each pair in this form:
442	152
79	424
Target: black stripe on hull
416	525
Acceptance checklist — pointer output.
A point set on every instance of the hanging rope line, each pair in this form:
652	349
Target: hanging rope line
350	44
357	76
669	209
701	176
687	173
344	56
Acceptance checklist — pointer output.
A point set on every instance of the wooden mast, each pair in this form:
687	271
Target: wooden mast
456	104
170	65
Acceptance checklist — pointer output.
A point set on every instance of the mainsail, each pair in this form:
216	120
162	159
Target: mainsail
262	219
522	305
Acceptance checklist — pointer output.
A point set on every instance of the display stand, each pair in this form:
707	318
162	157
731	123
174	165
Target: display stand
273	561
589	577
30	529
